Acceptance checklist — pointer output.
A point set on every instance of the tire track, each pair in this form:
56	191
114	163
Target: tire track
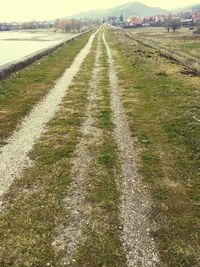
14	155
68	237
140	248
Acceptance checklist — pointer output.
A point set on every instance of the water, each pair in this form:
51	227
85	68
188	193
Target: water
16	45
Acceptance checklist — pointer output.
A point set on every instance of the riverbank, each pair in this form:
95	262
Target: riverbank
29	58
22	90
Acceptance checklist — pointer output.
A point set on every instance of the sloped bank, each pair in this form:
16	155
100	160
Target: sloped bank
186	60
13	66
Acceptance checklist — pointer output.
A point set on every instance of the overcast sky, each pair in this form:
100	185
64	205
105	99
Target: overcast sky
22	10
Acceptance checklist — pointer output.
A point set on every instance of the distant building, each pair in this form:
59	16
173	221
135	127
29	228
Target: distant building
112	20
187	23
26	25
135	21
5	26
196	15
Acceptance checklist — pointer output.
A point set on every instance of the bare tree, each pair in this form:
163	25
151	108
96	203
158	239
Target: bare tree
175	24
167	24
75	25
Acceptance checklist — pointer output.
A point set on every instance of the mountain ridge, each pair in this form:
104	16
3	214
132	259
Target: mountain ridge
127	9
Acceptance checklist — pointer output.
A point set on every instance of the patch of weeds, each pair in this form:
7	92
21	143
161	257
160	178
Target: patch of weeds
144	139
107	157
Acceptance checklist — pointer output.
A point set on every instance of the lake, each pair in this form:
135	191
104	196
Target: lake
16	45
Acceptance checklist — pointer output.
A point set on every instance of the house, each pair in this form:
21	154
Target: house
187	23
159	18
112	20
5	26
135	21
196	15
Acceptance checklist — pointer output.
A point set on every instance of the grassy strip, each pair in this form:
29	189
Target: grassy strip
35	202
103	246
162	112
20	92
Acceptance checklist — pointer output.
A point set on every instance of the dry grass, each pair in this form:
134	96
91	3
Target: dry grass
161	111
183	40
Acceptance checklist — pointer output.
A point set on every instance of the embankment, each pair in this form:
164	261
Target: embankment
13	66
186	60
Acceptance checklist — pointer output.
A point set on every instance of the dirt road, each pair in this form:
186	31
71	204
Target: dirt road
80	201
13	157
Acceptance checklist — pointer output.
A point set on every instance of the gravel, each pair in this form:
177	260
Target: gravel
69	237
14	155
139	246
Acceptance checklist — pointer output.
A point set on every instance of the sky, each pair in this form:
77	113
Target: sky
26	10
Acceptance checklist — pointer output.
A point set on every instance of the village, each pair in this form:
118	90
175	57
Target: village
189	18
15	26
185	19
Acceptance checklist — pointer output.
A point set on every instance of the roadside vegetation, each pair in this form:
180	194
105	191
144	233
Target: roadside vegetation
163	110
20	92
33	207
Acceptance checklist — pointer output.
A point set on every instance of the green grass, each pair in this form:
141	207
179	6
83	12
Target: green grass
34	203
23	89
103	245
163	113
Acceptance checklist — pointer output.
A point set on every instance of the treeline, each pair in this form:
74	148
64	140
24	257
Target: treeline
176	23
75	25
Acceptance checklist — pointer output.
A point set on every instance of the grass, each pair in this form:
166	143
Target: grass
182	40
22	90
103	246
163	113
34	203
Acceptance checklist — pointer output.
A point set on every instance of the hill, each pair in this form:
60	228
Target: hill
134	8
195	7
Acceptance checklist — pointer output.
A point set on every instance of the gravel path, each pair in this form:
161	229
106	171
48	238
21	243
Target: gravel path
14	155
70	236
135	201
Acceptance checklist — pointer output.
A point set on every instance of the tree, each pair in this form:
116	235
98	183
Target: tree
121	18
67	25
167	24
78	24
75	25
175	24
172	23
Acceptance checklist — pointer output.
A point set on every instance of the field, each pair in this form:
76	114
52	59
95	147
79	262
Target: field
113	177
183	40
